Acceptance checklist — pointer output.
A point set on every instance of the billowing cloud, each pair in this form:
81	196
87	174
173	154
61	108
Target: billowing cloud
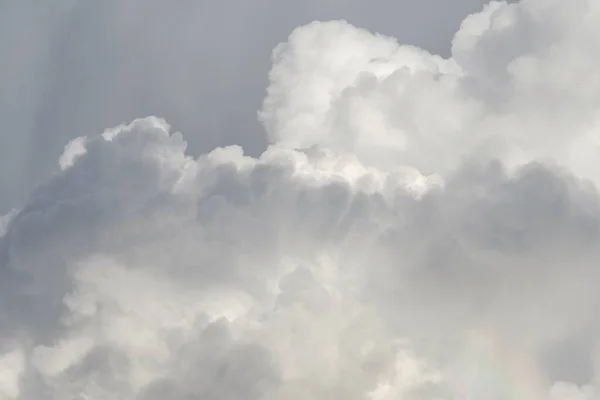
69	67
419	227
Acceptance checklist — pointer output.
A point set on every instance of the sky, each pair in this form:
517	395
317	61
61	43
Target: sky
290	200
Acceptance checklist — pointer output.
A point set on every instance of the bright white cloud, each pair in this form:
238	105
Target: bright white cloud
521	85
419	228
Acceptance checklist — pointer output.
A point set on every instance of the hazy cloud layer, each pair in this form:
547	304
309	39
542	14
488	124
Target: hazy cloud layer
419	227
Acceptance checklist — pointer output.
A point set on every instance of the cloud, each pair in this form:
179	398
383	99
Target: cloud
520	85
65	75
418	227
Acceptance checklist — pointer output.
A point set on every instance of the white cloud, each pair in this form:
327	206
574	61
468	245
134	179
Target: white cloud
419	228
11	366
521	85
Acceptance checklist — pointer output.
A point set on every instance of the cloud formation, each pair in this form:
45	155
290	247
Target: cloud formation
70	67
419	227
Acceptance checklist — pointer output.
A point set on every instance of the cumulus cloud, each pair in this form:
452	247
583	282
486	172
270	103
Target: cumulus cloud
64	73
419	227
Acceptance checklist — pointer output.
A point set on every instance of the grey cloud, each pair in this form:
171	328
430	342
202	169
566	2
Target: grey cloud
444	267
